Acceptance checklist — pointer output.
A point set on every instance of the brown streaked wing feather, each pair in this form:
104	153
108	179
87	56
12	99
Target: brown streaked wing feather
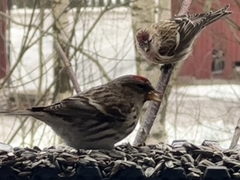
168	32
188	29
113	101
74	106
213	14
79	106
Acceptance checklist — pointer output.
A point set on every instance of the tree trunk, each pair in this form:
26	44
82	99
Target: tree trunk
143	15
3	49
158	132
60	16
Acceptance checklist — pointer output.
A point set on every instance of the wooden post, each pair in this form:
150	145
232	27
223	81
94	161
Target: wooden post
3	50
60	28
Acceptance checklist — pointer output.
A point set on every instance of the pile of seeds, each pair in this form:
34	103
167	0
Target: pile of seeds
151	161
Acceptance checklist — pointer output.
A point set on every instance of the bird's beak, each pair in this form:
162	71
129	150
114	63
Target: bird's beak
154	96
146	49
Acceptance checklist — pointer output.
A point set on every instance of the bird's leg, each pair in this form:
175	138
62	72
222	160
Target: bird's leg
166	71
164	68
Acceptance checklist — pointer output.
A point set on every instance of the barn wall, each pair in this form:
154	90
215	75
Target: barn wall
3	55
218	36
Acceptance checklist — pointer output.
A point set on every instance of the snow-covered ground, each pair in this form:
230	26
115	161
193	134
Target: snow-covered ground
194	113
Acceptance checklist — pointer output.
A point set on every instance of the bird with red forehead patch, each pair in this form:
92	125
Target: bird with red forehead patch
98	117
141	78
172	40
143	38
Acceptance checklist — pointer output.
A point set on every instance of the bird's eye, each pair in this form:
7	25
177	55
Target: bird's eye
141	86
150	40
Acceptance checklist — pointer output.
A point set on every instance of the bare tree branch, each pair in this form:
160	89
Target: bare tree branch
68	67
23	49
25	119
184	7
26	45
238	3
104	73
236	135
153	108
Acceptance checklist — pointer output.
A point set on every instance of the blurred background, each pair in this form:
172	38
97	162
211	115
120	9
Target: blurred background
203	97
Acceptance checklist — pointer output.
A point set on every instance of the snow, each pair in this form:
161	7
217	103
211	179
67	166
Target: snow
194	113
202	112
110	43
229	92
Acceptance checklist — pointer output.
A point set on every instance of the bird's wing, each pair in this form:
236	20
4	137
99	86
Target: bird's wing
73	106
178	33
174	32
211	16
76	105
188	30
83	107
168	37
191	25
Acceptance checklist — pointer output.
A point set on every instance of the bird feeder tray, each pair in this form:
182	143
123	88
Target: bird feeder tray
179	161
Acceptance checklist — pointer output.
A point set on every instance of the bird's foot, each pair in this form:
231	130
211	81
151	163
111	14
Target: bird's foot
166	67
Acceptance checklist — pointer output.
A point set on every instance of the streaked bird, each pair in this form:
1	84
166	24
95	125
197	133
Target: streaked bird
99	117
172	40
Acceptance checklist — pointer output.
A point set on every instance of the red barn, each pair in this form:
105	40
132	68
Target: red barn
217	50
3	53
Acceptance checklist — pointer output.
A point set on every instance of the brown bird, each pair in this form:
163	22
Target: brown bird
172	40
99	117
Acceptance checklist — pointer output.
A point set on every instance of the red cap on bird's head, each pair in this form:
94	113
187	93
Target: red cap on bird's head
141	78
142	36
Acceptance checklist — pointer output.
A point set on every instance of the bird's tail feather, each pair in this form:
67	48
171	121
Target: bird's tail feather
19	112
204	19
214	16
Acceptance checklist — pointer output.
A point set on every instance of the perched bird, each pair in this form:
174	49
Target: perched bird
99	117
172	40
